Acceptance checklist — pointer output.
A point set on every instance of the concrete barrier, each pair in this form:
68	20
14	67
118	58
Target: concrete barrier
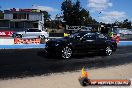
125	43
6	41
10	44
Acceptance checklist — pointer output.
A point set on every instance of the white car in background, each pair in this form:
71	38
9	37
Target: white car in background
31	33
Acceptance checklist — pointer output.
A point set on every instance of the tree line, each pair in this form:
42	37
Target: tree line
124	24
75	15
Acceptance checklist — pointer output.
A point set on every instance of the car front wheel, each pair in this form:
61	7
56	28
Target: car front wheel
66	52
108	51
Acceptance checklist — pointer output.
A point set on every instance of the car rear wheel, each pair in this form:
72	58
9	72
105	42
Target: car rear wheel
66	52
108	51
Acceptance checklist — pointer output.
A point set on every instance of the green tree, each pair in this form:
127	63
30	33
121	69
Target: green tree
75	15
1	15
67	9
47	18
86	18
126	24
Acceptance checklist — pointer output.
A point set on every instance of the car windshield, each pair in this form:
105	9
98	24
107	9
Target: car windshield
73	35
77	35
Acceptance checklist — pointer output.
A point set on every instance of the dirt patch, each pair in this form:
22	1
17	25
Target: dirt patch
69	79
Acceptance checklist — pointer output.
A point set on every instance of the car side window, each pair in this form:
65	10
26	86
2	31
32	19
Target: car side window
101	36
33	30
77	37
29	30
38	30
89	37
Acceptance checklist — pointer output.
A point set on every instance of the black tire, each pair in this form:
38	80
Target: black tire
108	51
66	52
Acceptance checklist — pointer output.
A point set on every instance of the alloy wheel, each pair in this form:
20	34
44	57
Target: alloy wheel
108	51
66	52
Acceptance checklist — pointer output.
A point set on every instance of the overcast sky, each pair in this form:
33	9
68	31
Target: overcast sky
102	10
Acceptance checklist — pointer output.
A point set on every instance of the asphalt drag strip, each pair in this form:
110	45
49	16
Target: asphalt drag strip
32	62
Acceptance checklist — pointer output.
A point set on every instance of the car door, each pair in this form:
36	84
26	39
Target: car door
100	42
77	44
38	33
29	33
88	42
33	33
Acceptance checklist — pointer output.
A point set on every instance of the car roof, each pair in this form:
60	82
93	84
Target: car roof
85	32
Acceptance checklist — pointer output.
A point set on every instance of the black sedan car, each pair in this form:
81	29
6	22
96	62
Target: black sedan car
81	42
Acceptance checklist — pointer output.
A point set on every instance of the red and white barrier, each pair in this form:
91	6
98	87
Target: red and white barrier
26	41
6	33
11	41
6	41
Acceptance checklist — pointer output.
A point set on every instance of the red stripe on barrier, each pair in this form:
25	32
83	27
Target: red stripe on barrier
26	41
6	33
